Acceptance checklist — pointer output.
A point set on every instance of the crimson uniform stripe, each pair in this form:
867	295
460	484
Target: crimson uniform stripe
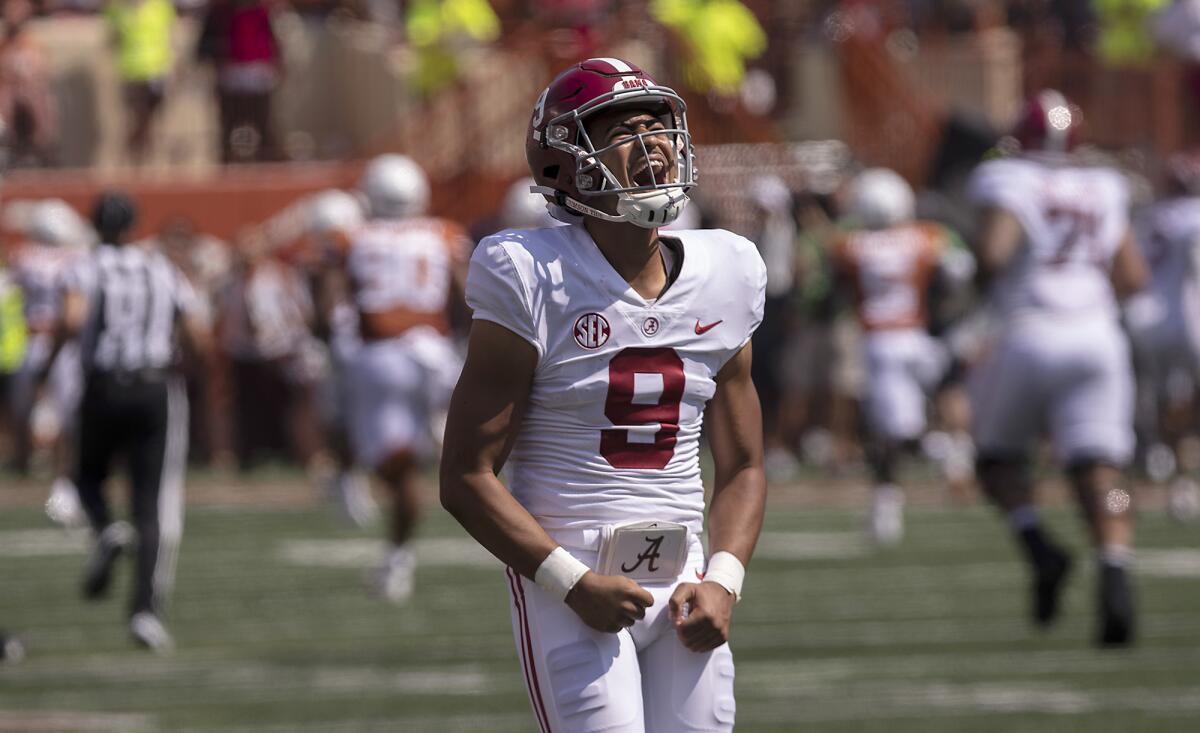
528	666
521	647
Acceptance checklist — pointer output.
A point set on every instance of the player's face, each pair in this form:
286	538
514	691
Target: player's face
630	162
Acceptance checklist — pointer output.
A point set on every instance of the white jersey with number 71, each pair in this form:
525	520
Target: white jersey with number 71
612	429
1074	219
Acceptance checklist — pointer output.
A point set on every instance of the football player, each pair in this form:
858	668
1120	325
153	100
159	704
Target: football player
1164	329
891	263
594	352
56	238
1057	251
332	214
400	270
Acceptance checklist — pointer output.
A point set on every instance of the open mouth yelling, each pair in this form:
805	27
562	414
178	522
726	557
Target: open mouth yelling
650	172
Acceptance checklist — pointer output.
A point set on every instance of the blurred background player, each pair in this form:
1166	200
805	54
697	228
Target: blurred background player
775	236
334	215
126	303
56	239
520	209
1055	244
891	263
264	326
1164	329
401	270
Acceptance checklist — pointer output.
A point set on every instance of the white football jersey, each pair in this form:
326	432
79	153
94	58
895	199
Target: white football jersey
402	264
41	270
1074	220
612	428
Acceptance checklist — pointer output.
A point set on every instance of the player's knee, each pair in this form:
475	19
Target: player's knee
397	467
585	696
1100	486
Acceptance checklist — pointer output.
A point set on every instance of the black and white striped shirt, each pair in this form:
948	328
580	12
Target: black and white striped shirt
135	298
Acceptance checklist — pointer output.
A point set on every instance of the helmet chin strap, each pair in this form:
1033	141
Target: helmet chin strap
646	210
651	209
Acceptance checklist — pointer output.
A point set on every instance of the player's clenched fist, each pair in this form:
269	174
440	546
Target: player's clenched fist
609	603
701	613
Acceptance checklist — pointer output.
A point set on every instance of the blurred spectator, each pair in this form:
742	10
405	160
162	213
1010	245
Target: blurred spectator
1177	28
718	36
264	315
439	30
1125	36
141	33
572	29
13	339
27	105
771	200
237	37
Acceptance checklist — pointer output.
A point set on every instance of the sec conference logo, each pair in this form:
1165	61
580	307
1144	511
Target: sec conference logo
591	331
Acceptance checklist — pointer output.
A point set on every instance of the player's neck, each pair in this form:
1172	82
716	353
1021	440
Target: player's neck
633	252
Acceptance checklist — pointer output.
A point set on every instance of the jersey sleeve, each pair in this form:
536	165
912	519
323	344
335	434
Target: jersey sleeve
758	290
1003	184
80	276
751	286
496	292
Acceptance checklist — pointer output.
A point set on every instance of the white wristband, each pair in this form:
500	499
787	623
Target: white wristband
559	573
727	571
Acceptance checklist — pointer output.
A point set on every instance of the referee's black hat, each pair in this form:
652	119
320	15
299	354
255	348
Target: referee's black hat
113	215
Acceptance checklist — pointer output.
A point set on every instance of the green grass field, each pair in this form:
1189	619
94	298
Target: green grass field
276	632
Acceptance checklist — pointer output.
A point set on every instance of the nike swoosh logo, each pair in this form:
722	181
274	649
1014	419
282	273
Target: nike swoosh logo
705	329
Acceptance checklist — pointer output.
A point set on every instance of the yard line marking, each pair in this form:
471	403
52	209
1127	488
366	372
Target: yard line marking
35	721
1167	563
42	543
363	553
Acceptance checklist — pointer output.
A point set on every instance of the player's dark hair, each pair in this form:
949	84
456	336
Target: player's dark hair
113	216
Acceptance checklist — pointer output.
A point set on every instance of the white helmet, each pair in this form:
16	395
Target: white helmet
53	222
524	209
880	198
395	187
334	210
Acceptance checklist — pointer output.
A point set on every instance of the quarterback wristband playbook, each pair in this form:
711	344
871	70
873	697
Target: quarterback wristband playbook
559	573
727	571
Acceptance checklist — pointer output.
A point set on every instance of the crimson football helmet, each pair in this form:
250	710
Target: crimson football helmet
1049	123
566	165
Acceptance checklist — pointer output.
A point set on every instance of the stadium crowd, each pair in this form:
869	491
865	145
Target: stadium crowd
728	50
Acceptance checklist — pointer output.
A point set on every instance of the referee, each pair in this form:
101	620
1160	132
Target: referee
128	306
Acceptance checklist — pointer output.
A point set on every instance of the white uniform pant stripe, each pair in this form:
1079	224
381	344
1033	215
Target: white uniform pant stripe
170	493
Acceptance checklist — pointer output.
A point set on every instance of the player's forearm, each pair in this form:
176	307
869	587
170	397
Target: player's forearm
490	514
735	514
